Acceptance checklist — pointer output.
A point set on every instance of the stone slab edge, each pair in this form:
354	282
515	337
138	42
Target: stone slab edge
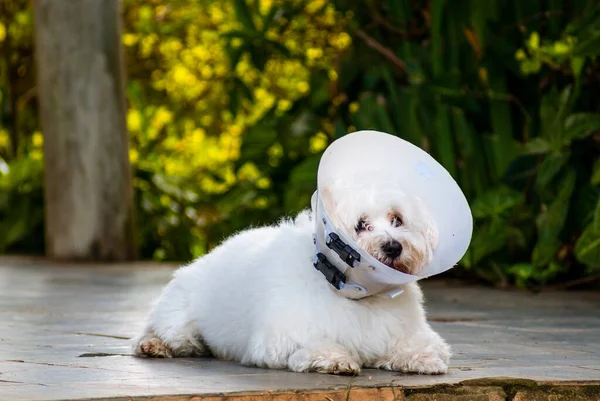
487	389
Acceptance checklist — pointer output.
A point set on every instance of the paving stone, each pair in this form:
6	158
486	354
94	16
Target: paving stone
470	393
64	333
559	393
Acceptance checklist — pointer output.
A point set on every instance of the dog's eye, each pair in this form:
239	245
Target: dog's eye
396	221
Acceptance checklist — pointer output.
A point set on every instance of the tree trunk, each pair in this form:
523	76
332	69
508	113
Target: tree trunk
81	78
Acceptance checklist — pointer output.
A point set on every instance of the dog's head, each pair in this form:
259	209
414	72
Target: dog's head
392	226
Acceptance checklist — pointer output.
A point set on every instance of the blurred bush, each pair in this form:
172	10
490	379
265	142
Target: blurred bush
232	102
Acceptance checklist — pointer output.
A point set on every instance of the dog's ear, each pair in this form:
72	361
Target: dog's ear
431	237
327	198
329	203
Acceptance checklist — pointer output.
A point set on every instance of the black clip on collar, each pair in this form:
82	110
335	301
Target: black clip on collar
344	251
333	275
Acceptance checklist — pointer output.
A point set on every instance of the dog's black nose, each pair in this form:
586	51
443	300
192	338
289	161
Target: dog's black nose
392	249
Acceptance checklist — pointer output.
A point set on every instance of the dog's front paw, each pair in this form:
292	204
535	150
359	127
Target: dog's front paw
151	347
336	366
429	359
331	362
422	363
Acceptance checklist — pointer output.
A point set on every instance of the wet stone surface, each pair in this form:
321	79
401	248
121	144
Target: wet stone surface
64	335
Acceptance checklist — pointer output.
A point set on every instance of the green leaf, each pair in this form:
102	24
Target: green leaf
259	57
581	125
496	202
553	110
239	195
473	165
551	222
544	251
437	13
283	51
234	100
302	182
537	146
487	238
399	10
577	66
582	212
443	139
596	173
596	221
383	120
14	228
589	47
243	14
516	236
237	34
548	169
564	102
501	142
340	129
256	142
522	272
587	248
269	18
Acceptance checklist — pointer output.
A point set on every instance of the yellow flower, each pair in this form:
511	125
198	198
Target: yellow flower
263	183
206	72
198	134
129	39
314	6
353	107
2	32
133	155
520	55
284	105
483	75
147	45
318	142
36	154
206	120
314	53
37	139
134	120
261	202
4	139
265	5
162	117
303	87
561	48
534	41
236	42
276	150
248	172
341	41
164	200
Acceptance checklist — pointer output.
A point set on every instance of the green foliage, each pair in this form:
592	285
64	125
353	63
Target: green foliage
21	195
502	96
232	102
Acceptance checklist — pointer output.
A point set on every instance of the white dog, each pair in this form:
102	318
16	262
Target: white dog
258	300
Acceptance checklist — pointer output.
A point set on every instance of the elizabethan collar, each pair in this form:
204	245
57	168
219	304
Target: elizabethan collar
386	159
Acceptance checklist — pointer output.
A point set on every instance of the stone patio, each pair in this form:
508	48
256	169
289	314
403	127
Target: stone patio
64	333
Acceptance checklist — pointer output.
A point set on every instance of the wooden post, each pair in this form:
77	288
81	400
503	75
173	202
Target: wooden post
81	78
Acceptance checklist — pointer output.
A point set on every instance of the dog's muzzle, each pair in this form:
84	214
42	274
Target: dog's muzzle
347	267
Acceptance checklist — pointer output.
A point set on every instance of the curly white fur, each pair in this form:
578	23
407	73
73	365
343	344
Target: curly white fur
258	300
